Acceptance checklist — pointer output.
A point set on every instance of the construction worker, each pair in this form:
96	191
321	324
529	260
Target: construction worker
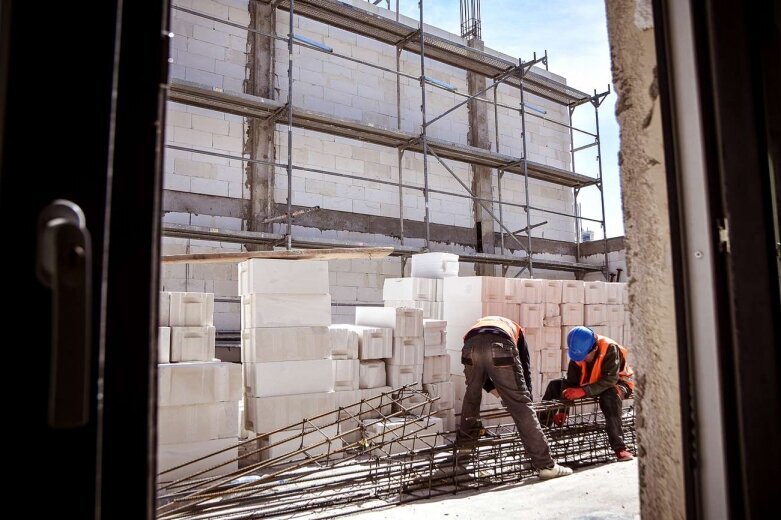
491	352
598	368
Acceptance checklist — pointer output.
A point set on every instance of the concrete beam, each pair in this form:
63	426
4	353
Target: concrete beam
596	247
199	204
478	136
259	141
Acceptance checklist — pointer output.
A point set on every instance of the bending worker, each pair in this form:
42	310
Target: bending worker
598	368
491	351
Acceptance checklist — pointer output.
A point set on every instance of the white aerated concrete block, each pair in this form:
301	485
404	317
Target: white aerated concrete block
524	290
269	344
552	321
420	289
594	292
376	402
173	455
614	315
197	422
346	374
269	276
401	375
573	291
285	310
406	351
595	314
394	433
191	309
625	293
533	336
444	391
371	374
434	265
198	383
289	377
405	322
436	369
347	398
614	292
616	333
192	344
164	344
552	310
287	443
549	360
372	342
448	418
550	337
431	310
553	291
434	337
164	311
265	414
344	342
475	288
571	314
602	330
532	314
456	367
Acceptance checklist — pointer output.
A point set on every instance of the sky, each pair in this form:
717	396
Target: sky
574	32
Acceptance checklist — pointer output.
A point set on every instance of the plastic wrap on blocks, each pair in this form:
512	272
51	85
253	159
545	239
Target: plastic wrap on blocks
436	369
269	344
191	309
289	377
272	276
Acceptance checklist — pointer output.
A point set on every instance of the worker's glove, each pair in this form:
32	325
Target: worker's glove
559	418
571	394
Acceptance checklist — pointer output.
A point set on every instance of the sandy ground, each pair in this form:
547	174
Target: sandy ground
606	492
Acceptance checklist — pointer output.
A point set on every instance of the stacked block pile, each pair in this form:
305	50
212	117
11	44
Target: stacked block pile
286	348
198	396
547	309
416	293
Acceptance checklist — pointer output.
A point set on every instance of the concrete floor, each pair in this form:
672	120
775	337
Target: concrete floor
606	492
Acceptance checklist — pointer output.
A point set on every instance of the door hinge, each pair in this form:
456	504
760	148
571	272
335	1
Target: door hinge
723	235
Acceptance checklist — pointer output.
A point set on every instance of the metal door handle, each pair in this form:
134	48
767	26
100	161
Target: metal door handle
64	265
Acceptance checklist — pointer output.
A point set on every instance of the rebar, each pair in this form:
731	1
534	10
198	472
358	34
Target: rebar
405	461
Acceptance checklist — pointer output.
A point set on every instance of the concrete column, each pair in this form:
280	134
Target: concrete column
643	185
259	140
479	136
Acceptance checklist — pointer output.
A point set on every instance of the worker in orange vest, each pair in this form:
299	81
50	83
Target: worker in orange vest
598	367
491	352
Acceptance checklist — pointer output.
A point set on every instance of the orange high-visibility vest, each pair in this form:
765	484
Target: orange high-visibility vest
625	372
512	329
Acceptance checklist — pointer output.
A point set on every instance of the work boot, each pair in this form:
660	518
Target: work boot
554	472
623	455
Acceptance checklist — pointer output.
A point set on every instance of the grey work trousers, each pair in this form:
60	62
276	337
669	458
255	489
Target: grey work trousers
487	355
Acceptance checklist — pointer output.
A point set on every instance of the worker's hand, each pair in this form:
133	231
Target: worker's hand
571	394
559	418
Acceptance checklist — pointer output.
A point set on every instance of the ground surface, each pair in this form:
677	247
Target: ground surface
606	492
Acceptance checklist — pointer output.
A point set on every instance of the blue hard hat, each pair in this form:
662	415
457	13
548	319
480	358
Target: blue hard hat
580	341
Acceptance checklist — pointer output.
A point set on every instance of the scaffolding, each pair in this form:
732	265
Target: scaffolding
417	41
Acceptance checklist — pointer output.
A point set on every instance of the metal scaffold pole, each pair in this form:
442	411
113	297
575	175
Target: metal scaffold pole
423	138
575	191
289	231
597	101
399	151
525	160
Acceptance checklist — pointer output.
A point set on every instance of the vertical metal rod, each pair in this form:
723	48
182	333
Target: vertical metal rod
501	218
397	10
601	184
496	119
575	191
289	232
423	123
400	152
526	172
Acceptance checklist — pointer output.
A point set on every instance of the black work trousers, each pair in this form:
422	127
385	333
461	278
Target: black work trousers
493	356
609	403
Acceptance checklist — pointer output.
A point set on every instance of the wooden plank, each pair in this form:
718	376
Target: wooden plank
337	253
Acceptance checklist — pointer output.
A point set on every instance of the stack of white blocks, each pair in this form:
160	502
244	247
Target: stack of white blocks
418	293
366	348
198	396
286	348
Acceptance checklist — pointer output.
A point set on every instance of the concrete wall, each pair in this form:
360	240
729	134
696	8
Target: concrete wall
216	55
630	28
